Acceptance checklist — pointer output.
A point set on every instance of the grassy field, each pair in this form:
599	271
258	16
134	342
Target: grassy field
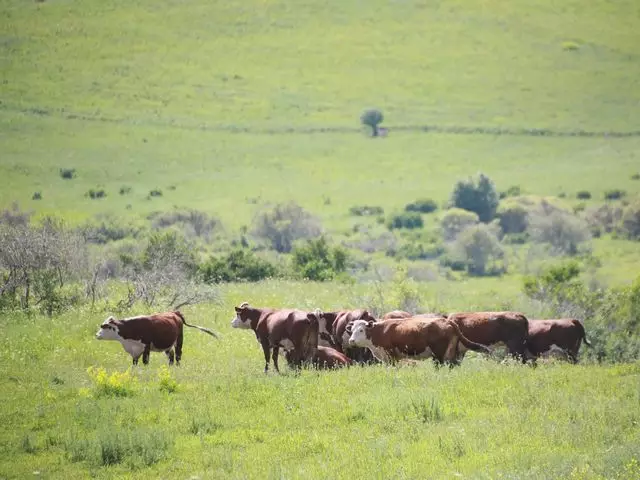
219	416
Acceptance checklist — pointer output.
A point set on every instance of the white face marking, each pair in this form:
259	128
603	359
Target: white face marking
358	336
108	331
238	323
286	344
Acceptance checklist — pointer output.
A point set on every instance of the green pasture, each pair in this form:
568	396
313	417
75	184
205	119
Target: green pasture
219	416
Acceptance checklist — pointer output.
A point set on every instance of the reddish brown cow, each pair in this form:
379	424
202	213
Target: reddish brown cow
494	328
160	332
327	357
333	327
293	330
391	340
564	334
397	314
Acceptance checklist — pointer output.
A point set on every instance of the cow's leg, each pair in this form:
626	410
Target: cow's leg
146	353
267	355
451	354
517	350
274	355
179	348
170	355
135	360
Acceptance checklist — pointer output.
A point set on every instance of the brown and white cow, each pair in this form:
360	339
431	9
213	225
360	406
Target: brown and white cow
564	335
494	328
326	357
394	339
160	332
293	330
333	331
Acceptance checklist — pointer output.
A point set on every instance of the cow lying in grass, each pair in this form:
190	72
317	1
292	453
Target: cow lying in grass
139	336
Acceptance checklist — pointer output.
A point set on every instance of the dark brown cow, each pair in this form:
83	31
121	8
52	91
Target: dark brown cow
564	335
392	340
333	327
494	328
326	357
293	330
160	332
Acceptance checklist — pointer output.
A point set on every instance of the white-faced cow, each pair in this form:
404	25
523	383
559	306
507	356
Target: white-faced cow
160	332
494	328
333	330
563	335
394	339
292	330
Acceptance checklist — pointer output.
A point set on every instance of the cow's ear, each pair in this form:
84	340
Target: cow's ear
111	319
370	323
312	316
318	313
349	328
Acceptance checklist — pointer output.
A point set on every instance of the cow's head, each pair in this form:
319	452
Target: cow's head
109	330
360	333
241	320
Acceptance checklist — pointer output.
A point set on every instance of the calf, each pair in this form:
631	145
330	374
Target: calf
391	340
333	326
326	357
160	332
565	335
293	330
494	328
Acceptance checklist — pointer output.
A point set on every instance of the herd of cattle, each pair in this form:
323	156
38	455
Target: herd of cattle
335	339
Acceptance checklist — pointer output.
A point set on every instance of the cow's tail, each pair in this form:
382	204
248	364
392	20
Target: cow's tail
584	334
309	343
477	347
202	329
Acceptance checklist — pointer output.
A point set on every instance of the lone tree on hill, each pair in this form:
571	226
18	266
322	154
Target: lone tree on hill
372	118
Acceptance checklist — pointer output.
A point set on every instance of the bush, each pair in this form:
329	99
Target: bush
67	173
284	224
191	222
366	210
238	265
583	195
36	196
124	190
635	176
372	118
408	220
155	193
564	232
603	218
479	196
419	251
512	191
480	250
614	194
513	217
424	205
455	221
317	261
108	228
630	224
96	193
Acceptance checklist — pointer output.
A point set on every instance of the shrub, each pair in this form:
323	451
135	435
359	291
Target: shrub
476	195
580	207
583	195
67	173
419	251
372	118
455	221
630	224
124	190
166	381
564	232
191	222
512	191
36	196
424	205
285	223
155	193
366	210
480	250
635	176
405	220
108	228
603	218
96	193
513	217
614	194
238	265
317	261
114	385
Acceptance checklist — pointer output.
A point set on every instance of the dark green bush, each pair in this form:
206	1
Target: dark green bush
155	193
423	205
476	195
614	194
365	210
630	224
36	196
635	176
238	265
512	191
372	118
407	220
583	195
96	193
67	173
419	251
513	217
316	260
125	190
